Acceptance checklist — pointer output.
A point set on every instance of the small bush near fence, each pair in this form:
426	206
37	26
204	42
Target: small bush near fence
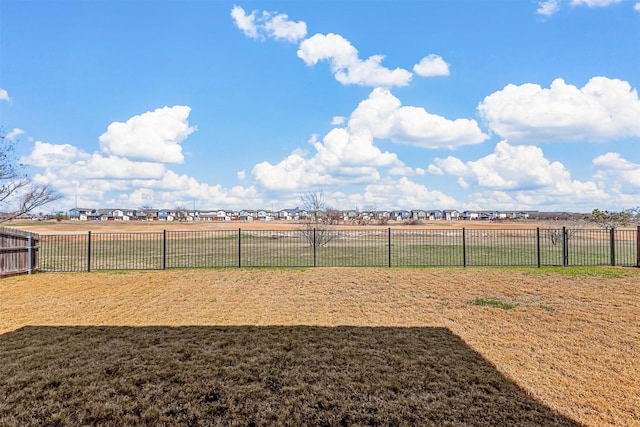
346	248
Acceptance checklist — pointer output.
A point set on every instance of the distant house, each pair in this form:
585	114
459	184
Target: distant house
81	214
451	215
418	215
247	215
470	215
434	215
400	215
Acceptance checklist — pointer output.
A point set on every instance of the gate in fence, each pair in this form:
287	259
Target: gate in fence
340	248
18	252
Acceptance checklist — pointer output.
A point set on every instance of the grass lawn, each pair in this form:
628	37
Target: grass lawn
325	346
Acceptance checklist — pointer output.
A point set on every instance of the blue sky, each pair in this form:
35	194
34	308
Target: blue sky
509	105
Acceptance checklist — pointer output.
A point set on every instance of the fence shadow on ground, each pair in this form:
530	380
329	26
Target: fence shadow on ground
246	375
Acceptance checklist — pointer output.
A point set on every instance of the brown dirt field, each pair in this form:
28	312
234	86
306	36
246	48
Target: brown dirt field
571	342
78	227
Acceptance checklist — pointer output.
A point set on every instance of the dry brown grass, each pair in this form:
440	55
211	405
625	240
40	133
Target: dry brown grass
81	227
570	343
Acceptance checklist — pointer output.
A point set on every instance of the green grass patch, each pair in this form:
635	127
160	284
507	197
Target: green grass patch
587	271
491	302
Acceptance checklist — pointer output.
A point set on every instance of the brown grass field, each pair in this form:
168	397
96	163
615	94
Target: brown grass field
325	346
81	227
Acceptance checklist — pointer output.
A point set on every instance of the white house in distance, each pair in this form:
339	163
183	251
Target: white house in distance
295	214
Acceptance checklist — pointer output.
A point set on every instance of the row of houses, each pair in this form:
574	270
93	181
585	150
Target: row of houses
295	214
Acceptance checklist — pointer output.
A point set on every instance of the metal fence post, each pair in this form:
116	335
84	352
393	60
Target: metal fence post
314	247
612	244
565	247
638	247
389	247
164	249
464	248
89	253
538	245
239	248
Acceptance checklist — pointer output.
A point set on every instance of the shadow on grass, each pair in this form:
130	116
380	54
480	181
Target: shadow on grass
255	376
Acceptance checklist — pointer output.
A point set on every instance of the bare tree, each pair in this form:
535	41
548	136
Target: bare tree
182	213
608	220
634	215
148	212
18	193
317	226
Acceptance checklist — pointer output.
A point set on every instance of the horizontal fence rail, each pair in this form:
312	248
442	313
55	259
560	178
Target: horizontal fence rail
307	247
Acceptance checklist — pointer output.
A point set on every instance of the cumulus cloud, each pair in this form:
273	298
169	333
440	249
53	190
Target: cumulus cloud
280	27
430	66
45	155
405	192
548	8
348	155
519	168
340	158
275	25
337	120
594	3
384	116
245	23
604	109
346	65
152	136
4	95
14	134
108	179
612	168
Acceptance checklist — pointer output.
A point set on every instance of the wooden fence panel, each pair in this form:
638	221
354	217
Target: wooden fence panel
18	252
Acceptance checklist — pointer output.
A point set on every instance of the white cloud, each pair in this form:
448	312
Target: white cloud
246	23
345	64
11	136
4	95
241	175
45	155
280	27
636	7
340	158
521	171
594	3
604	109
348	155
624	174
548	8
337	120
275	25
383	115
430	66
152	136
406	193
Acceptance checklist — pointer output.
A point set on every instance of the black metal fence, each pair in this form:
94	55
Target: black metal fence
340	248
